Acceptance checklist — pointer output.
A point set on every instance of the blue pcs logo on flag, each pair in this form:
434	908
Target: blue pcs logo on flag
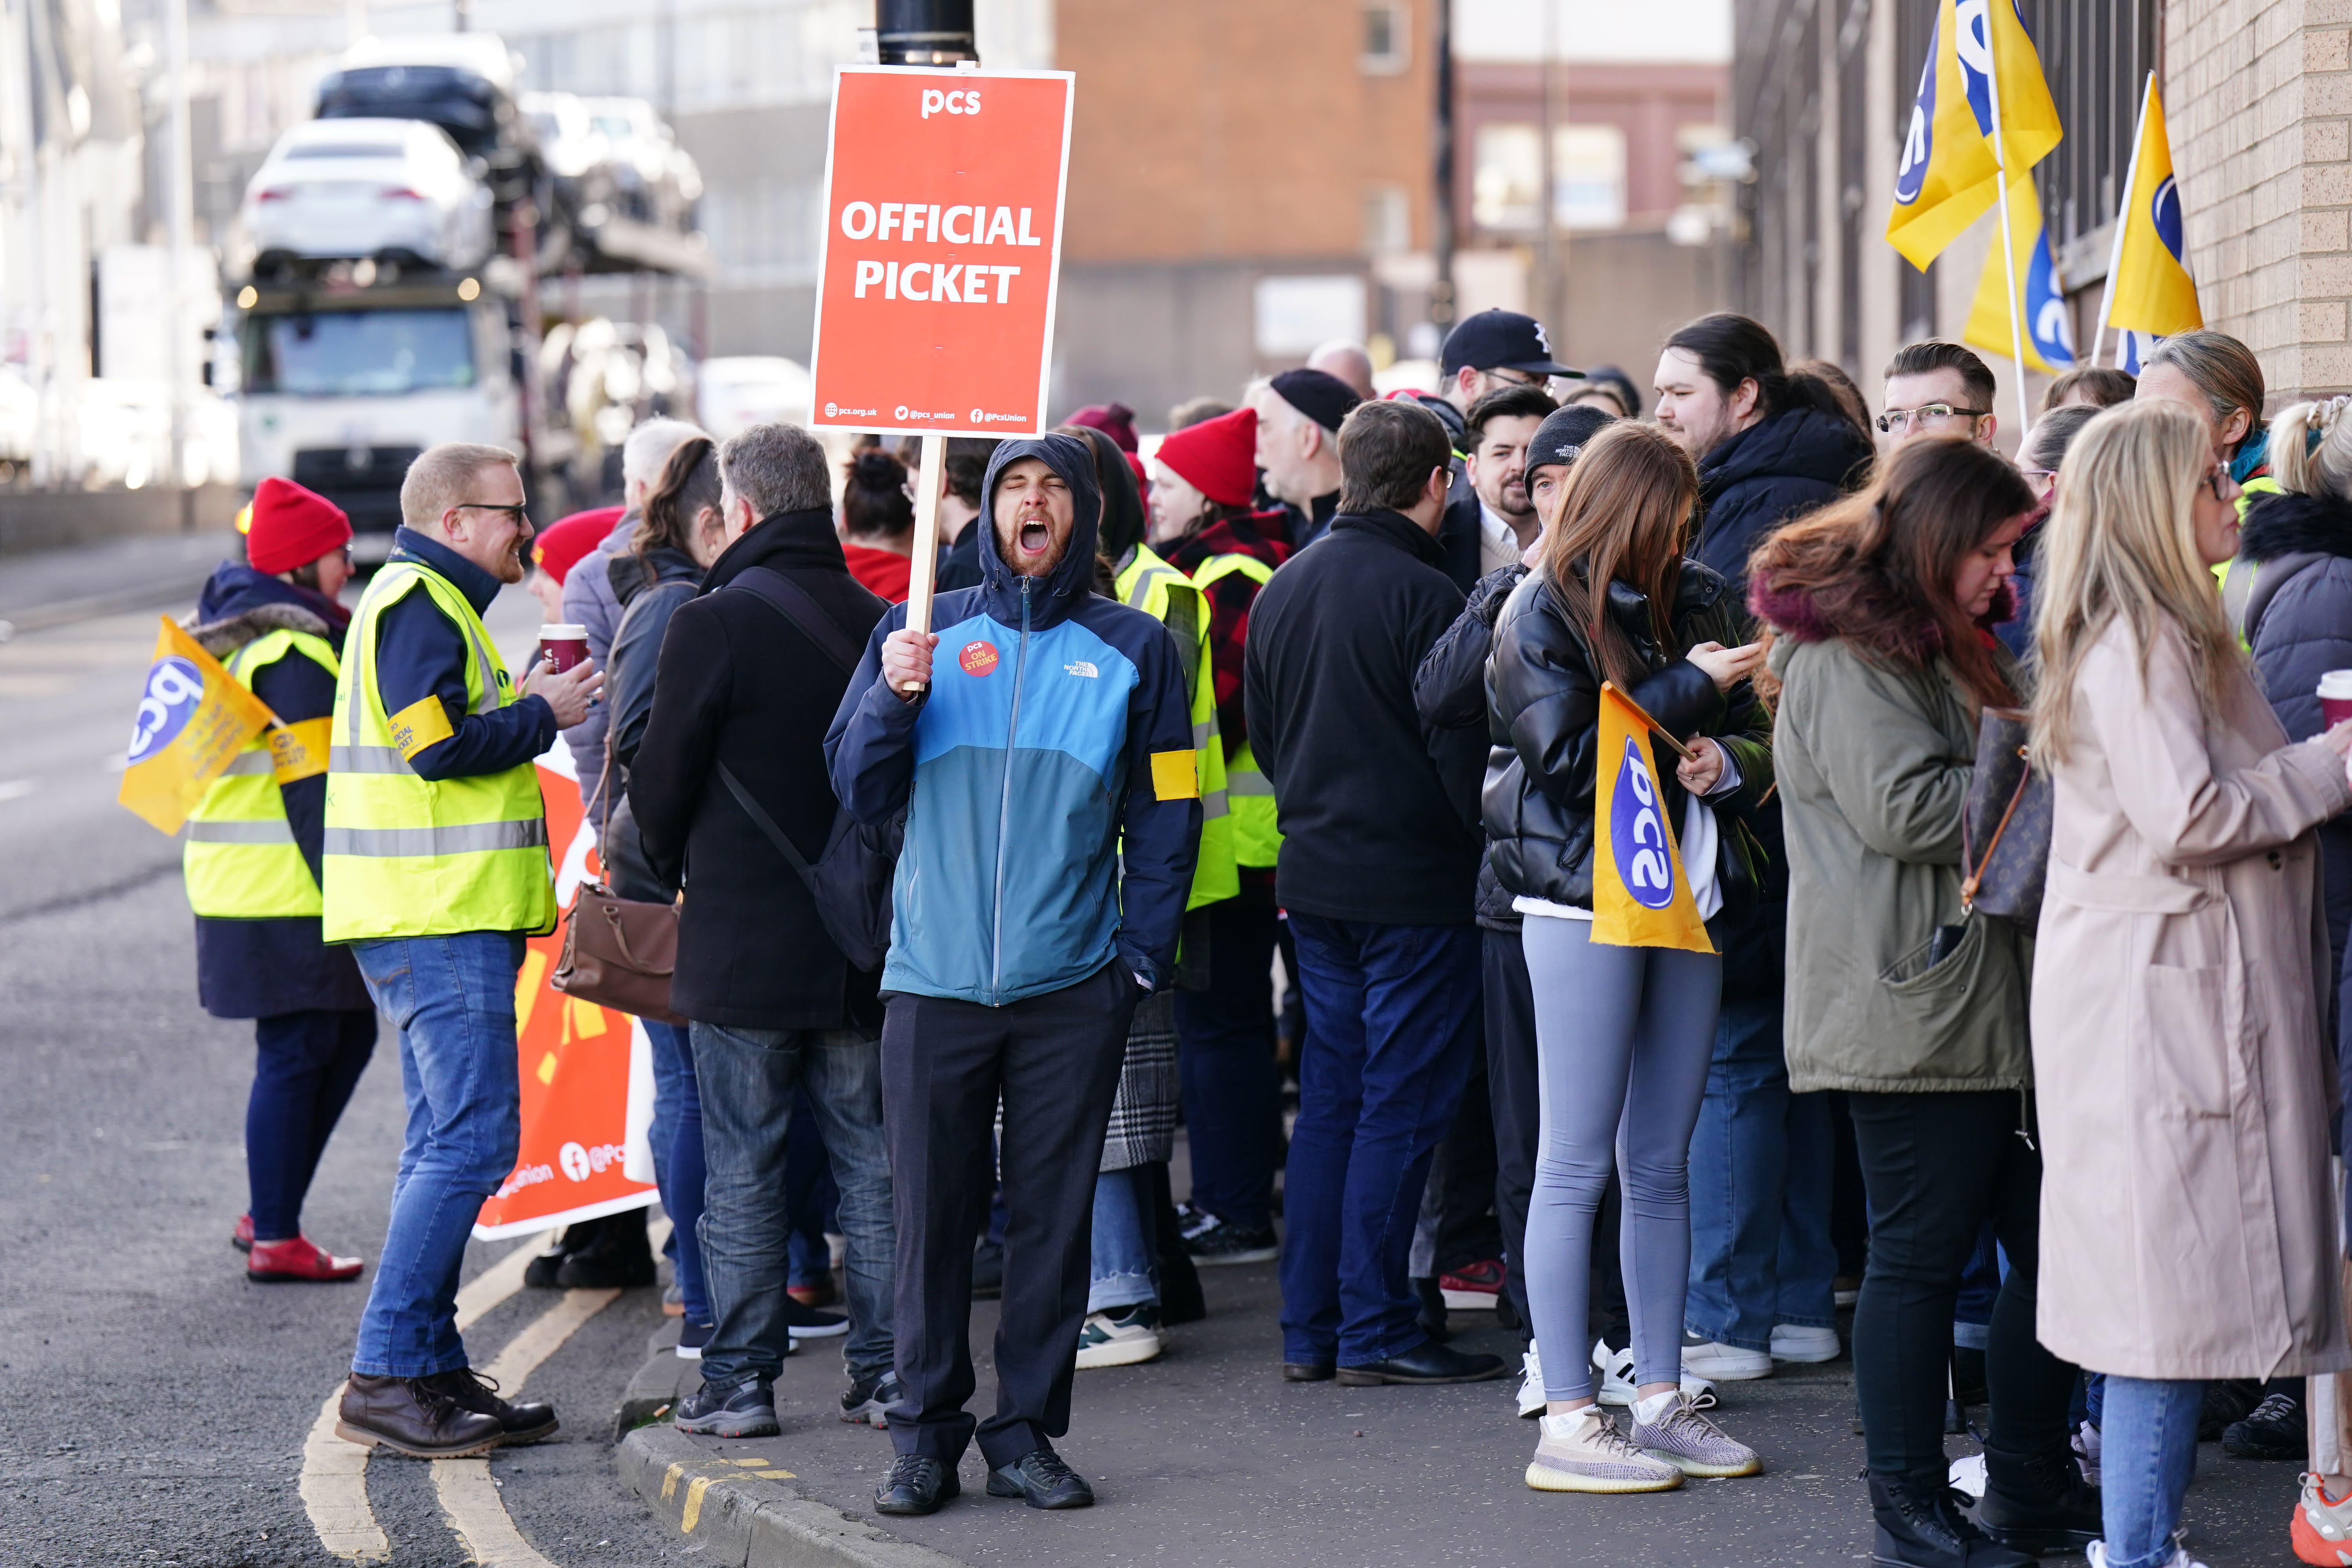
1643	856
1641	897
175	687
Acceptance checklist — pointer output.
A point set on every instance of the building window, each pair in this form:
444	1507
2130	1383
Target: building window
1387	35
1388	220
1588	177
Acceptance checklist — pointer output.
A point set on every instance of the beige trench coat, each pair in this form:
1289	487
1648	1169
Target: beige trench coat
2187	1230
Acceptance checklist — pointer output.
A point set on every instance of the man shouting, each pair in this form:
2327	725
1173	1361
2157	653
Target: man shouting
1056	723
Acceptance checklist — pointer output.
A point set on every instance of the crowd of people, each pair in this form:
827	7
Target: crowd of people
1275	755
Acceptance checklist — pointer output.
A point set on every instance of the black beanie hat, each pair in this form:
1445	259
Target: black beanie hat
1562	436
1320	396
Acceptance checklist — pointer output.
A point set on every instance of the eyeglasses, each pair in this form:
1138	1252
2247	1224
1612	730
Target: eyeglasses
2215	476
1518	377
515	513
1896	419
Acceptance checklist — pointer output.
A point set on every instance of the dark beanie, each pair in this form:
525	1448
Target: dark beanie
1116	420
1562	436
1317	394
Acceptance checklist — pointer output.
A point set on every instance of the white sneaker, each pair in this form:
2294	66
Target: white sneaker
1793	1341
1531	1388
1584	1452
1120	1338
1616	1369
1725	1363
2097	1554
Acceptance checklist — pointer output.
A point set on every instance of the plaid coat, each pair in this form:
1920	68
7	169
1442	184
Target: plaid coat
1143	1117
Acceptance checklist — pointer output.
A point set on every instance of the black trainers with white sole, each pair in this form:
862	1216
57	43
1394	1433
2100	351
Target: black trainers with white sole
1213	1241
691	1339
869	1400
748	1409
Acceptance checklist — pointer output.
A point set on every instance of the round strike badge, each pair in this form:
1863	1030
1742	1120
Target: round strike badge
978	658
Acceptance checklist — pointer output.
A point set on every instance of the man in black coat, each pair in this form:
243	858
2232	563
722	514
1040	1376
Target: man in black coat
1378	868
733	755
1492	352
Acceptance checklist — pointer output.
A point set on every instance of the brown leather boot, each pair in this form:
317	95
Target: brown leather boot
409	1415
518	1423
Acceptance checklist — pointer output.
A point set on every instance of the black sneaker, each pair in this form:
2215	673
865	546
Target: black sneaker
746	1409
469	1390
618	1258
869	1400
1040	1477
917	1484
808	1324
692	1337
2227	1402
2273	1430
1214	1242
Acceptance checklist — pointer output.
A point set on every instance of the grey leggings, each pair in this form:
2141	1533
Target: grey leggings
1623	1036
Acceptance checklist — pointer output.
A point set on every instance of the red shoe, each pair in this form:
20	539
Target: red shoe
822	1295
1473	1286
274	1262
242	1236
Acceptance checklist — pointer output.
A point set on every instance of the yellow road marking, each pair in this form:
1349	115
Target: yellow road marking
492	1286
670	1481
543	1336
334	1492
775	1474
693	1516
479	1515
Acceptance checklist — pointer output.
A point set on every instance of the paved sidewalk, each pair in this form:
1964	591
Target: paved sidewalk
1207	1456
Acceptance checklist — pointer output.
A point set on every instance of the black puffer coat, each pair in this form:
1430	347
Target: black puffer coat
1449	690
1781	468
1543	714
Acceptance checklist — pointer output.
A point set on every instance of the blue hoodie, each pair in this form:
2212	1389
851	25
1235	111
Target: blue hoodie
1051	714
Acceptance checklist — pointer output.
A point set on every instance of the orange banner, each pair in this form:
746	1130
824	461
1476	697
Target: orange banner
575	1064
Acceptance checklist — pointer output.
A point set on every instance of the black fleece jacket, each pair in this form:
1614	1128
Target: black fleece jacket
1774	471
1377	810
737	683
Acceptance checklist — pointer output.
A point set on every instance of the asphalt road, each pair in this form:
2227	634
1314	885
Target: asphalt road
153	1404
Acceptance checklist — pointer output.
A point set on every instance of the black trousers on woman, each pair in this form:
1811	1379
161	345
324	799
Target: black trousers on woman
1937	1167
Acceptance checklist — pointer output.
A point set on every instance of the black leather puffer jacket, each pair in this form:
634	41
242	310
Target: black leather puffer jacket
1543	714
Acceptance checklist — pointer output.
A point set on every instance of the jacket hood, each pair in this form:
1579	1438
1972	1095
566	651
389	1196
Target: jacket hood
1456	426
1796	443
786	540
1798	617
629	576
239	604
1073	576
2290	524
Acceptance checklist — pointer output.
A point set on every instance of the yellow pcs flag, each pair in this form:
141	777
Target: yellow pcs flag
2152	288
2049	335
1641	897
1979	55
194	718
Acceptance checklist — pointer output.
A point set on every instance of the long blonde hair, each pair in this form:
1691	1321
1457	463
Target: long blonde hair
2123	543
2311	448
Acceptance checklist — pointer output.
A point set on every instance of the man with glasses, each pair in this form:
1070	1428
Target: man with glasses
1494	350
436	870
1937	388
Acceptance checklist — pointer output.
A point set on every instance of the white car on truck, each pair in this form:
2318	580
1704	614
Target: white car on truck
394	190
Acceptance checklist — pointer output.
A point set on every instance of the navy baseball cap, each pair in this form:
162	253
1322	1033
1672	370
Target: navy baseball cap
1500	339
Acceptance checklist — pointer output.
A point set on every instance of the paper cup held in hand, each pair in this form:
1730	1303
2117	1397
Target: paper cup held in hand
563	645
2336	696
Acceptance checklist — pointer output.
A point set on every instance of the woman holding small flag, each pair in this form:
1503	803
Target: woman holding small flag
1882	607
1616	866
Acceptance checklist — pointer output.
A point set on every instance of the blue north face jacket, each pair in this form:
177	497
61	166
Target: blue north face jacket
1056	723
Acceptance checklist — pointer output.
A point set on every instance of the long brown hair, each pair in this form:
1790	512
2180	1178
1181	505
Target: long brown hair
1876	567
688	483
1628	506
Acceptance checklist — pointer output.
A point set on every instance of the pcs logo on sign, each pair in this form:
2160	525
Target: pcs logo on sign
961	103
174	688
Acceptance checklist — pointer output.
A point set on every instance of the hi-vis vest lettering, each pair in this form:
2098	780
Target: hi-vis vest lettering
1257	842
1151	584
241	860
413	857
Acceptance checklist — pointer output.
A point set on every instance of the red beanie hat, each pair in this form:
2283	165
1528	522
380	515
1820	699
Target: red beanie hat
1217	456
1116	420
563	542
292	526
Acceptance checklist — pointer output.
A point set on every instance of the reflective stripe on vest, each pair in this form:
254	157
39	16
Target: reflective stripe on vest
407	855
1257	841
240	858
1151	585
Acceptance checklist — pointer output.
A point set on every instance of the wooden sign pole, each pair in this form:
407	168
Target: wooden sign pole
931	474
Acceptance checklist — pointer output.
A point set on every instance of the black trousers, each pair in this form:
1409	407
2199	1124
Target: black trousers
1055	1060
1937	1167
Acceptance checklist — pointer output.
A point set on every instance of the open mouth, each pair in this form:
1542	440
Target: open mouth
1036	536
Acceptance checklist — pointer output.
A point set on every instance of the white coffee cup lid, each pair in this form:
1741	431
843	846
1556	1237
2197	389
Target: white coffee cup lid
2336	683
563	631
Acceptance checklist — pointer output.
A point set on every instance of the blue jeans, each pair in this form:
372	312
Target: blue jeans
452	999
2147	1452
812	1197
1760	1162
1393	1015
1125	1267
677	1137
747	1076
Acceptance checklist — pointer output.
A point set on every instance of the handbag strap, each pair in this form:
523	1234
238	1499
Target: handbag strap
1974	878
799	608
765	823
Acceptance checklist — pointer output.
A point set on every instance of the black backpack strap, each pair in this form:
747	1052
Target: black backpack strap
799	606
760	817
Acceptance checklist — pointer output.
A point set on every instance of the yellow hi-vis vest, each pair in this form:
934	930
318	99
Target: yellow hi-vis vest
414	856
241	861
1256	840
1148	584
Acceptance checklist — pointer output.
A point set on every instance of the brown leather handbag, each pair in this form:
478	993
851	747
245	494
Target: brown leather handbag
618	952
2007	812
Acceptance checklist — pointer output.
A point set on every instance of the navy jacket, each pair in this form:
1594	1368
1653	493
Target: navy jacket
1057	721
257	969
1780	468
421	652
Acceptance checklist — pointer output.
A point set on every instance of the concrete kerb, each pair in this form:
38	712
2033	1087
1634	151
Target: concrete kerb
752	1517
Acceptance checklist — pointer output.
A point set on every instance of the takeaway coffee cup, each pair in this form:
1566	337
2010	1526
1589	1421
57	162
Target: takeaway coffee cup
2336	696
563	645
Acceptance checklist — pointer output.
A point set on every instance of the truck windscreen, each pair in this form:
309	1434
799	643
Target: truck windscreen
358	353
